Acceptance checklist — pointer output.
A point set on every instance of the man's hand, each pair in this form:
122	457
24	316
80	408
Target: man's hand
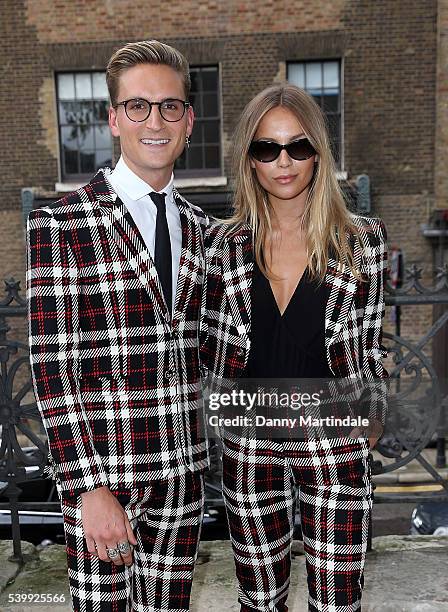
106	525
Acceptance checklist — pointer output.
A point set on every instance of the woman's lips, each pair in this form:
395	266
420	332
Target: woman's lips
284	180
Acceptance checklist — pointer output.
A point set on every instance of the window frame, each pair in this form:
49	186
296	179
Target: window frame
340	166
187	173
81	177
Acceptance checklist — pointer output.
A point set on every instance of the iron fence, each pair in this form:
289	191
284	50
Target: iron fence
419	390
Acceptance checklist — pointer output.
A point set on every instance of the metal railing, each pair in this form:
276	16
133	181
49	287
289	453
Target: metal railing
419	418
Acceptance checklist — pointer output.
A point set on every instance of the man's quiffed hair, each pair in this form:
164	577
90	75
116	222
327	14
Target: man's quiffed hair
145	52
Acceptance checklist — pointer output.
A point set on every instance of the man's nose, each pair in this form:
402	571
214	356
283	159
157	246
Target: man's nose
155	120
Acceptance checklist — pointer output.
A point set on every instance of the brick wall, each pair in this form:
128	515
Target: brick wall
391	97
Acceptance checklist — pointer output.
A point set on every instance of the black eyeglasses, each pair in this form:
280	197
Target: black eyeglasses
268	151
139	109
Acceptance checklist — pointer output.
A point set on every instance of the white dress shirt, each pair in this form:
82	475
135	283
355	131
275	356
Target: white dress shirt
134	193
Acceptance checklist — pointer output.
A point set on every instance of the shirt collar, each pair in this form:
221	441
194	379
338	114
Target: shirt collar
135	187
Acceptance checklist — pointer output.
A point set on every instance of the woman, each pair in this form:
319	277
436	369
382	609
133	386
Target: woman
295	290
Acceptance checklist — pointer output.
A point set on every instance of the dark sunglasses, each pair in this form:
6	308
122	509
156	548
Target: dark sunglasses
268	151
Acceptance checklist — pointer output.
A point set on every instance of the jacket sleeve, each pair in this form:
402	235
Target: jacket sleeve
373	352
52	292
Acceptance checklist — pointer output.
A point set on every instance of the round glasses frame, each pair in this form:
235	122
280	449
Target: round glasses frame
150	105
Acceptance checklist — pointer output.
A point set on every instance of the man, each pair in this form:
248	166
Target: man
114	280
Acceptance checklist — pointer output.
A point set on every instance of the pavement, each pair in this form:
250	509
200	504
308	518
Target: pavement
403	573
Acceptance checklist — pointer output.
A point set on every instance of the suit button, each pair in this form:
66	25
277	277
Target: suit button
168	374
240	352
175	334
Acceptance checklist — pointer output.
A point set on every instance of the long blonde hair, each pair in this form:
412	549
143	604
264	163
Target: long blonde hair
326	221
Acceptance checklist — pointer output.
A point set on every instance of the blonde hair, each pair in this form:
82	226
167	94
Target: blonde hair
145	52
326	221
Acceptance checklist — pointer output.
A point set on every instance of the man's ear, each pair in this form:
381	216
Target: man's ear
190	120
113	122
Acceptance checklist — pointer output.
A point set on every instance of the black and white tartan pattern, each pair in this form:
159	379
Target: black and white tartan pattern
353	314
166	518
330	477
117	382
331	482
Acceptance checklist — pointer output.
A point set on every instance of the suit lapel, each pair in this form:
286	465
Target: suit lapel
343	285
191	258
122	230
238	266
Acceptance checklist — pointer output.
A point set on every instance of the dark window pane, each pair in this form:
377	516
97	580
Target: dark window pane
194	75
212	157
211	131
68	112
196	102
85	112
103	159
196	136
85	137
87	161
330	103
101	111
69	137
195	157
70	157
210	79
181	161
102	137
210	105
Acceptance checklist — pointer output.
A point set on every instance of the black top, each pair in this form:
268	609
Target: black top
291	345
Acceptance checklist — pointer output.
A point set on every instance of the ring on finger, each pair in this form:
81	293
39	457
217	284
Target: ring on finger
124	547
113	553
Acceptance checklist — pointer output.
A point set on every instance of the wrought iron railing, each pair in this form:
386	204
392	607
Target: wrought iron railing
418	419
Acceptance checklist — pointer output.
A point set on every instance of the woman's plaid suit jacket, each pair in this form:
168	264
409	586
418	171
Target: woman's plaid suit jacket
116	380
353	313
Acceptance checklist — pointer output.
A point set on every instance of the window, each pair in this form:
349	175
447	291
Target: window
322	80
203	158
85	138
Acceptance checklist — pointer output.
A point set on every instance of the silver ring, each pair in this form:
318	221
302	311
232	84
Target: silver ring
113	553
124	547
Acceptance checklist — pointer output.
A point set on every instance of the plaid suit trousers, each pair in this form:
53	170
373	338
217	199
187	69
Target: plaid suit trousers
166	518
331	480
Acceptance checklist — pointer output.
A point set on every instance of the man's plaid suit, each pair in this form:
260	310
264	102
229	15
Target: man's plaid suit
263	480
115	377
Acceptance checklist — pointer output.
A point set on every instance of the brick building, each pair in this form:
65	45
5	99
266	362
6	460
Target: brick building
379	69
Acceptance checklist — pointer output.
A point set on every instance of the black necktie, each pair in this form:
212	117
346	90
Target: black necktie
162	257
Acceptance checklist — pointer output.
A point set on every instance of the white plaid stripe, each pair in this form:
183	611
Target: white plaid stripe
255	506
159	579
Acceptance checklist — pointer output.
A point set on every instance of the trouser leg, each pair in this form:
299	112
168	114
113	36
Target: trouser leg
260	505
95	585
168	539
335	499
166	518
